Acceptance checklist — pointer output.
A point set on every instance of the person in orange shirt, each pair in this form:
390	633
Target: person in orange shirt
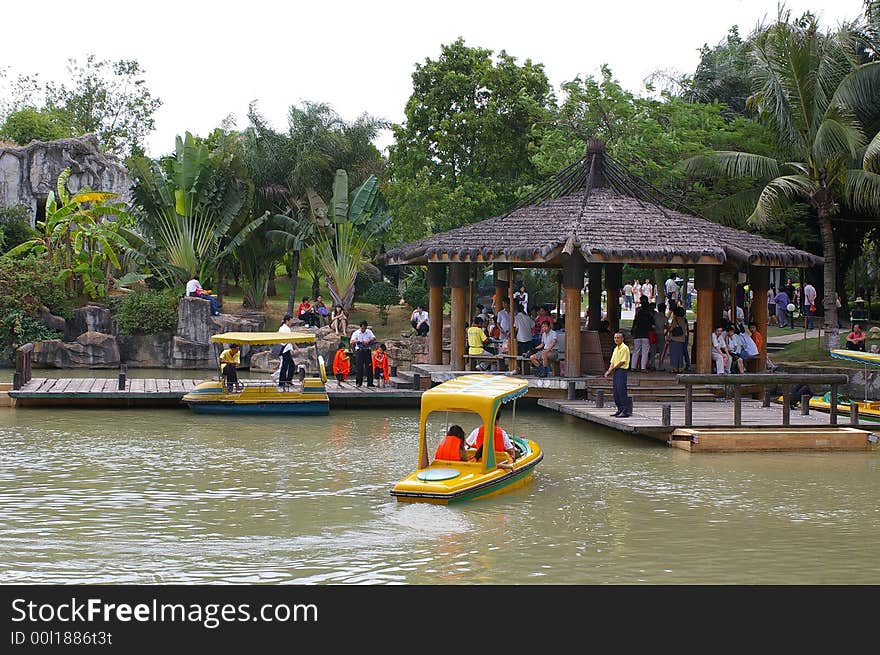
341	365
452	446
758	338
380	365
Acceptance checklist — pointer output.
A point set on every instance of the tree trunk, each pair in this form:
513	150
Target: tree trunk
829	298
316	285
294	278
271	291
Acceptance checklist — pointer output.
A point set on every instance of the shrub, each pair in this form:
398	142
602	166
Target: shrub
362	284
383	294
17	329
146	312
28	283
415	294
15	223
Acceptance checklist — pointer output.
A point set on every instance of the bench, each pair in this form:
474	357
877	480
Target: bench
472	360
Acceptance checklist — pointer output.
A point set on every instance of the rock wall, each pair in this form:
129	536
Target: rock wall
28	173
89	350
191	345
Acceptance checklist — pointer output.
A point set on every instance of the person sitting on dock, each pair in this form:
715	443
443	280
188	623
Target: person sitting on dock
341	364
452	446
476	340
230	359
501	440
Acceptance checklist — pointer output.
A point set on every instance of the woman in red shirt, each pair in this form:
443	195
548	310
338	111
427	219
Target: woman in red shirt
304	312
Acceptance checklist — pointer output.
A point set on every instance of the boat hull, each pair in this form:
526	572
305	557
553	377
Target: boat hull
470	481
211	398
868	411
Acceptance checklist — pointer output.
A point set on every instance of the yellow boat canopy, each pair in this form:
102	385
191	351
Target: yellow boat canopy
857	356
264	338
482	394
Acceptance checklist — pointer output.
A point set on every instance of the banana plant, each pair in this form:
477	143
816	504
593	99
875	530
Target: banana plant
346	231
79	238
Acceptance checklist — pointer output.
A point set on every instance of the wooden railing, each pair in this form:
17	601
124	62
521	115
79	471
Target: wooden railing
738	381
22	373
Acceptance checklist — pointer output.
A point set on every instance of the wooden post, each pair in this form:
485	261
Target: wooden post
766	402
511	342
786	407
705	284
853	414
613	282
737	405
805	404
759	282
573	281
436	279
458	281
123	372
600	398
833	408
417	381
559	296
572	390
666	419
594	297
688	405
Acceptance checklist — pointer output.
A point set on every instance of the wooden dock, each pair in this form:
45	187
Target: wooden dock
713	430
161	392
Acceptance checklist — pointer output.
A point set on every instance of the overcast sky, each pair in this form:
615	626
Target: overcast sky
207	60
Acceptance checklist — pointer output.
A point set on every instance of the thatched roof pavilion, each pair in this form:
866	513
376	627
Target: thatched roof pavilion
595	215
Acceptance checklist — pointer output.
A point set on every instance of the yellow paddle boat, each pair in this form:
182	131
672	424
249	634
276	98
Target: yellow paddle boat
869	410
444	481
306	395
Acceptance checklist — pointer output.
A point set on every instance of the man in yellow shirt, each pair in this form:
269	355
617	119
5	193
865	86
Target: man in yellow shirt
476	339
230	359
618	368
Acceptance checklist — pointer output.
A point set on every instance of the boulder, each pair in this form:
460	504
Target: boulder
145	350
89	350
192	354
54	322
90	318
194	320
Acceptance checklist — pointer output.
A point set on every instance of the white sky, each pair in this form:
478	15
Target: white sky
206	60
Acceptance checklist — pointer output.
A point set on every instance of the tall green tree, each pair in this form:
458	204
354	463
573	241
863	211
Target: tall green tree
809	88
463	152
106	97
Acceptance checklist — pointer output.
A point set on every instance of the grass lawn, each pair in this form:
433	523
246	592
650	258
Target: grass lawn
812	351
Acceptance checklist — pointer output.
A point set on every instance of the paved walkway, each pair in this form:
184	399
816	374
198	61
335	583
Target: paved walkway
796	335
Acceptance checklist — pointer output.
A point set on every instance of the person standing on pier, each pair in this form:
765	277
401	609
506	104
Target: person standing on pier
618	368
363	360
285	376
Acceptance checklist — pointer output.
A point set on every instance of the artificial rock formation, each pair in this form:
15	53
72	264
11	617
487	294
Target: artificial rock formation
89	350
28	173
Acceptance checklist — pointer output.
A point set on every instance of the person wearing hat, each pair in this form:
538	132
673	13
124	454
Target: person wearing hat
230	359
360	342
859	312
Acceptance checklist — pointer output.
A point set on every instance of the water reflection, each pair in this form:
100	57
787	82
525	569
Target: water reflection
161	496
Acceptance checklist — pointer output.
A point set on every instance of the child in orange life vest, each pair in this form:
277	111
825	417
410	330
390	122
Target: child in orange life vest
380	365
452	446
341	365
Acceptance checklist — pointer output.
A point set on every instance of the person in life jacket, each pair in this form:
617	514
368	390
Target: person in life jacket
341	365
502	442
452	446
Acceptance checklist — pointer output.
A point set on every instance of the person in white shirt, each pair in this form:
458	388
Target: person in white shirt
648	290
521	297
474	437
502	317
627	296
285	374
419	321
720	352
194	290
671	287
809	304
363	358
522	325
546	351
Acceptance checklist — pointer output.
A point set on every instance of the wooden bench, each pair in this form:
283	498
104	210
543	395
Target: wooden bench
471	361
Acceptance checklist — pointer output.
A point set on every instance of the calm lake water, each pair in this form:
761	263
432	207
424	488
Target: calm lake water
165	496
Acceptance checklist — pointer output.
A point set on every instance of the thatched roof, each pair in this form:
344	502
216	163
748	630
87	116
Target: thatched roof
596	208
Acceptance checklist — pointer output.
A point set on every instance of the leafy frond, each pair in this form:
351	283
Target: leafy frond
732	164
776	194
871	159
862	190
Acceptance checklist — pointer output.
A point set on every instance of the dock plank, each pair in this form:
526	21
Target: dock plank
137	385
150	385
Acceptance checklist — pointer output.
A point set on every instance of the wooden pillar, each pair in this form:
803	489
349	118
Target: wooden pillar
558	295
471	293
511	341
500	277
458	282
573	282
706	285
436	279
759	282
594	297
613	283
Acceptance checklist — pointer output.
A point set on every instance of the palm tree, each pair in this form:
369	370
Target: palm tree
810	88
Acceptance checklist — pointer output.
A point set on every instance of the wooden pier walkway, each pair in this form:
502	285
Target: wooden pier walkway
713	430
162	392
